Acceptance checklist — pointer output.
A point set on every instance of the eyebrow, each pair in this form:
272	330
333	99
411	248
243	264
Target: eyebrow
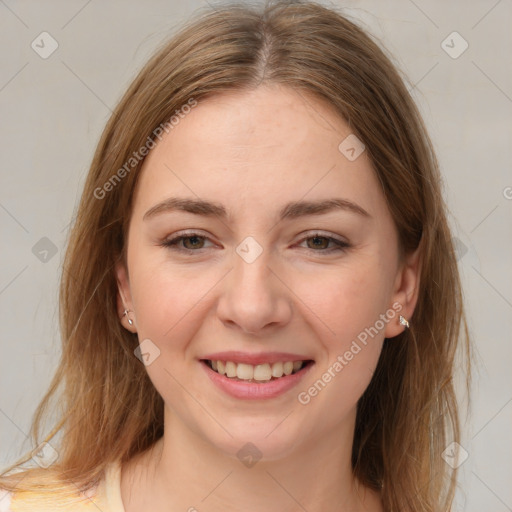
291	210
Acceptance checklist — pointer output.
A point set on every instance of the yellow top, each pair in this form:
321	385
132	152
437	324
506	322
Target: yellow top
106	496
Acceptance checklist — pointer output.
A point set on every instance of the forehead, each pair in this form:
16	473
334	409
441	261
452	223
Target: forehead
255	148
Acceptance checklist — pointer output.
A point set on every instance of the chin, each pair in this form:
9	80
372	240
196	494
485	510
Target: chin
263	440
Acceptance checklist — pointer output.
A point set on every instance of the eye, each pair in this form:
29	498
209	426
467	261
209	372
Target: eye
191	242
320	242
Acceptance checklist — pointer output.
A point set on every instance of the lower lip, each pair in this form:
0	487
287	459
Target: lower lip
254	390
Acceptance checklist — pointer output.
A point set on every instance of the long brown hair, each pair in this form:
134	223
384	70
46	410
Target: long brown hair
109	409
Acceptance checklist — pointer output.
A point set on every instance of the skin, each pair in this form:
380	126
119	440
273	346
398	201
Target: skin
253	152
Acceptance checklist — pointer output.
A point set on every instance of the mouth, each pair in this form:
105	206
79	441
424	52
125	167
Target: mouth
259	373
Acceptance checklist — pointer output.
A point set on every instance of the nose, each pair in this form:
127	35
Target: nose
254	298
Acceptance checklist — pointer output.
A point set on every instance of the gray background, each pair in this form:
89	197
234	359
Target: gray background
54	109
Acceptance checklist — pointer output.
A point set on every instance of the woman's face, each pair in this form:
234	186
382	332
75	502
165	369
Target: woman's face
263	273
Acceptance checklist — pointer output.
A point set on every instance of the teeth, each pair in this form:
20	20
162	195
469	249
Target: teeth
244	371
262	372
277	370
259	372
230	369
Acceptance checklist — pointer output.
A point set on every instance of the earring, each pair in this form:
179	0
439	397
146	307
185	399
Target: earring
130	321
403	321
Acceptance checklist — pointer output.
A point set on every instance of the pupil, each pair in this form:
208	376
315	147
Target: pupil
319	238
194	238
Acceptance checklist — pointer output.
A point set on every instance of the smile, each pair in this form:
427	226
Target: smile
265	372
261	381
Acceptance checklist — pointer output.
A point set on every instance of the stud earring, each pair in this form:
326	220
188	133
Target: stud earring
130	321
403	321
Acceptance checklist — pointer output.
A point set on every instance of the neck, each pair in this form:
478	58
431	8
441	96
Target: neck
182	471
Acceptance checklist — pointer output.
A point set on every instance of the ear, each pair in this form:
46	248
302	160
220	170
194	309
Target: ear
124	298
405	292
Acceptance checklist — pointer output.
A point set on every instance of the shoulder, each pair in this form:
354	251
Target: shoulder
64	498
39	501
5	500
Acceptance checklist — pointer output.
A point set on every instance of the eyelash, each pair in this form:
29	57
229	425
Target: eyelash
340	246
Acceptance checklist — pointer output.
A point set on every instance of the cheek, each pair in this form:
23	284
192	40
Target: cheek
164	303
344	309
172	302
345	379
170	311
344	315
343	301
350	301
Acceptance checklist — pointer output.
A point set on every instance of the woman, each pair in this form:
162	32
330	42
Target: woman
260	303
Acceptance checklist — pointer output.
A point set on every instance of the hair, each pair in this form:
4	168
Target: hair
109	409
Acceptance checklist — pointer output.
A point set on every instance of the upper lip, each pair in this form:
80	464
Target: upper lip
254	359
